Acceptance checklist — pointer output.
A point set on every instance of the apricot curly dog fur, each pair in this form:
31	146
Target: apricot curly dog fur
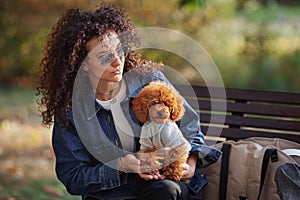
163	148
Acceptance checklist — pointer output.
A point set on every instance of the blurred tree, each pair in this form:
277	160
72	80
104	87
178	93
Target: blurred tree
191	3
250	43
24	25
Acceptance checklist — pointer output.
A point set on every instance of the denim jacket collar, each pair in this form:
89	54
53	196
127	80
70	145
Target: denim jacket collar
91	106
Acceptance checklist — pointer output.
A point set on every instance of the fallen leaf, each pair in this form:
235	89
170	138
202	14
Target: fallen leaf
6	197
53	191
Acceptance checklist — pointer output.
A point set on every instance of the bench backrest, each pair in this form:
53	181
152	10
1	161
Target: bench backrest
247	113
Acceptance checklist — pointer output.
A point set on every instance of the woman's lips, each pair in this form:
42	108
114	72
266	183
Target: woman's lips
117	72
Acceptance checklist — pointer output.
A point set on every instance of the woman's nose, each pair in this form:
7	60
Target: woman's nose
116	62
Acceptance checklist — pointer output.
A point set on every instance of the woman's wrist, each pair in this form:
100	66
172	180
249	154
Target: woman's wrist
121	166
192	160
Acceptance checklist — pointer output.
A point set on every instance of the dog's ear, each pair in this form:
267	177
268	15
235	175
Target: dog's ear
143	114
177	109
140	109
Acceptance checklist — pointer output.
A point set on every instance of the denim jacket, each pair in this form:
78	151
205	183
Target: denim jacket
88	149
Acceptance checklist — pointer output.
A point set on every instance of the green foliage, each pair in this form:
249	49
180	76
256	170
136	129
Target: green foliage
24	25
191	4
255	44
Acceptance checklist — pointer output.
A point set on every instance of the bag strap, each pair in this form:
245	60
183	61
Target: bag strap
224	171
269	154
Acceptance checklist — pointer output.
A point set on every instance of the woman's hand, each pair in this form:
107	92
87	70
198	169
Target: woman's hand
152	176
188	172
129	163
190	167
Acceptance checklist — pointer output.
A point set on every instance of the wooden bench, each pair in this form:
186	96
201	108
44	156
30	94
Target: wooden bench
247	113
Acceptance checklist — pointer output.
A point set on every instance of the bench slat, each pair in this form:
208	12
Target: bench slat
240	94
260	109
274	124
237	134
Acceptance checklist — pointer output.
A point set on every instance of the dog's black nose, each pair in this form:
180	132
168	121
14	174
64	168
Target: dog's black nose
160	113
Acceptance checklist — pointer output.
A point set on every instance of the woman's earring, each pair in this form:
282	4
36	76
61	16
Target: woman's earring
85	67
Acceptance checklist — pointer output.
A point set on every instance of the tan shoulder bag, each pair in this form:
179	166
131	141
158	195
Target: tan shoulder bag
246	169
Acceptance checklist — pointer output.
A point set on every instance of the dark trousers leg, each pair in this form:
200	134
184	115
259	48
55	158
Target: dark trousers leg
164	190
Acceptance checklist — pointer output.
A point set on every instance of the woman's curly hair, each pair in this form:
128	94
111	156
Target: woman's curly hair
66	50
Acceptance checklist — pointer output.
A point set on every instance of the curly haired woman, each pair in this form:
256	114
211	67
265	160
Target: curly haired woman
89	77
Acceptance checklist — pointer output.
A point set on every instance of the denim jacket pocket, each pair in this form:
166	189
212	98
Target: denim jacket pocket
196	183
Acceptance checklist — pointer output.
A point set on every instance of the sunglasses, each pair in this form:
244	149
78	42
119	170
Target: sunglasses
108	58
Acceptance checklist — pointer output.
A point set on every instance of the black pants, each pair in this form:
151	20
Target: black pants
164	190
140	189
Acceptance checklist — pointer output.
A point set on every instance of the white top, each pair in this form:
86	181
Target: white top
162	135
122	126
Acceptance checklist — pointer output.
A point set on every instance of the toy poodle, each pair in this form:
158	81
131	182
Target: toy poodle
163	149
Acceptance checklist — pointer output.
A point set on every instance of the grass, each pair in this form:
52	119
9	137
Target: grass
26	156
40	189
18	102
